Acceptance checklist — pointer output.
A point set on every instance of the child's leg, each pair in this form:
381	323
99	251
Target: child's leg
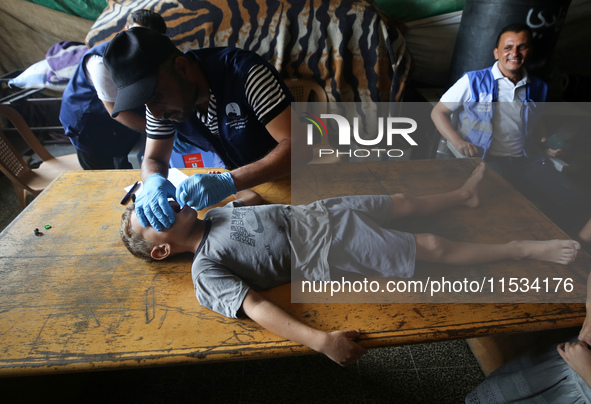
432	248
585	234
467	195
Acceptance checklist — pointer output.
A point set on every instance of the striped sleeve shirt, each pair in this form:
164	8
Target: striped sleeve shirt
263	92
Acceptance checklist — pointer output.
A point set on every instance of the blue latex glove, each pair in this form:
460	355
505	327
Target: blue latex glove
152	207
202	190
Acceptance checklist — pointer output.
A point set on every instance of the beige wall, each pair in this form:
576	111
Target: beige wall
28	30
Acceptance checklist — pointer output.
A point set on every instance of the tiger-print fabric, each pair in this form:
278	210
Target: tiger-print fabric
349	47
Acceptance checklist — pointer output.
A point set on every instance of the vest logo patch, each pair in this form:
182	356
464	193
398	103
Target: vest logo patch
485	97
233	110
235	118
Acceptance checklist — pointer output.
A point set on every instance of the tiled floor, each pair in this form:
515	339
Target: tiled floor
429	373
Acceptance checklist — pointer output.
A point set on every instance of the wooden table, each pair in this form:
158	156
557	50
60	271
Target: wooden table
74	299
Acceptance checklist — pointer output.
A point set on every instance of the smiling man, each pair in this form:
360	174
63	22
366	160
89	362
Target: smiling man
226	100
496	109
513	49
500	133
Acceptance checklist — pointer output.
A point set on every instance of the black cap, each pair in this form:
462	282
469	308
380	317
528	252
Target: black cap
133	57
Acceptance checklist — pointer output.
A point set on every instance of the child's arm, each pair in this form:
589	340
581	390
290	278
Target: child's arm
338	345
249	197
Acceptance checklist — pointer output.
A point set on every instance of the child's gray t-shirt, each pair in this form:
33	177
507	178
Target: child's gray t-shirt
259	246
250	247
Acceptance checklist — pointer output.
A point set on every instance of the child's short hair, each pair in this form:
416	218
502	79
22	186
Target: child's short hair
148	19
136	245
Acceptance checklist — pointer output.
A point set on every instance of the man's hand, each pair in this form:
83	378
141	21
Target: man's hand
441	116
468	149
552	152
202	190
341	347
549	151
152	207
578	357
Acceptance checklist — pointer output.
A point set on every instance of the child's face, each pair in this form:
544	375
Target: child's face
185	220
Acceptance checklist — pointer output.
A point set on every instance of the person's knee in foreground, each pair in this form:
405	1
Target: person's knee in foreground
577	354
551	374
555	374
239	249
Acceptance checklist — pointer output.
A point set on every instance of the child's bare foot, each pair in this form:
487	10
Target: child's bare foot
470	187
559	251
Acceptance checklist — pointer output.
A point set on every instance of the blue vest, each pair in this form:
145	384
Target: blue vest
242	138
479	110
87	122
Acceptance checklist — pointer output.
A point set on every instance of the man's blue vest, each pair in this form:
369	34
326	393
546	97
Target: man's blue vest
479	110
242	138
87	122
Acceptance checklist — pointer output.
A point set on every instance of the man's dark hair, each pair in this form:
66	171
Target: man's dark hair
148	19
516	27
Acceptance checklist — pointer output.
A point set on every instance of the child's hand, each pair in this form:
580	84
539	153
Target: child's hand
214	172
578	357
341	347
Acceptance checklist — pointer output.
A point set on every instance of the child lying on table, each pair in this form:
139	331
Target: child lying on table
242	248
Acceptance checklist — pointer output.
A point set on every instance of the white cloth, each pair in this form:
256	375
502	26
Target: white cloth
100	78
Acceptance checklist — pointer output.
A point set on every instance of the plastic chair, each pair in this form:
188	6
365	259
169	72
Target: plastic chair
25	179
304	90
